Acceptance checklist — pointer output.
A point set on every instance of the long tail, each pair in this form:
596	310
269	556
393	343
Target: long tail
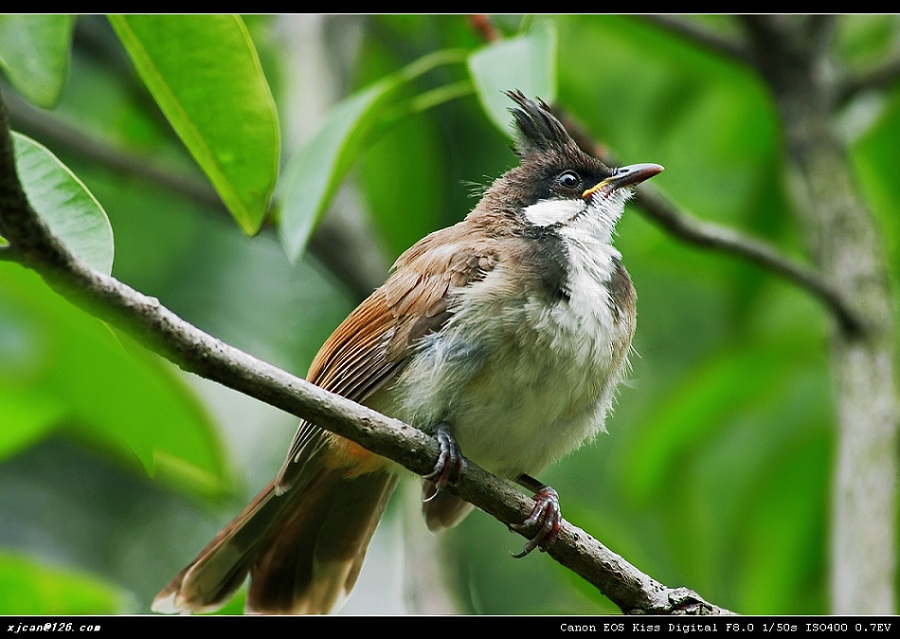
303	549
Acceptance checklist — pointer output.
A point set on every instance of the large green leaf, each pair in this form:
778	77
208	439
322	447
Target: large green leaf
64	204
314	173
34	50
28	587
60	366
526	63
204	73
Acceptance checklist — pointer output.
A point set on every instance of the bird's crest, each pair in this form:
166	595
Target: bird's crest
539	129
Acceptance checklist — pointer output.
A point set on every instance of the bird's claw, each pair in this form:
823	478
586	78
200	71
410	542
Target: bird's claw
450	467
546	513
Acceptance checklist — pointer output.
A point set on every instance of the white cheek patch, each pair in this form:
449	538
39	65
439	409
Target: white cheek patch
548	212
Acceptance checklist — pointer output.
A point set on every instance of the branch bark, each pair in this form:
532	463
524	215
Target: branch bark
31	244
881	77
727	240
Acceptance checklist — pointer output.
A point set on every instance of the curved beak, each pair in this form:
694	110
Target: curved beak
630	175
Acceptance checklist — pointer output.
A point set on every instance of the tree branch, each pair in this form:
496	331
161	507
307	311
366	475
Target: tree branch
721	238
654	205
483	26
697	34
820	32
199	353
64	136
881	77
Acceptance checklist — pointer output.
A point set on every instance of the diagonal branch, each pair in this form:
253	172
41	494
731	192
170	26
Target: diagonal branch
881	77
64	136
199	353
707	234
722	238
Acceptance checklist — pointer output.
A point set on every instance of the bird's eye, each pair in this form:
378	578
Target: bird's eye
568	180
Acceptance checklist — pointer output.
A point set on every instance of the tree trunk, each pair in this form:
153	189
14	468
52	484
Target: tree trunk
844	241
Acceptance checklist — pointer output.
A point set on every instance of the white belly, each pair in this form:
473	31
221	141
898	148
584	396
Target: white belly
520	382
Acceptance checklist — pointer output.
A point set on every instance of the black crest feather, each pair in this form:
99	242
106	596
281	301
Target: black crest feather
538	127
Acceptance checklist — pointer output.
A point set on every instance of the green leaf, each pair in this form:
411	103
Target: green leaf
526	62
34	50
64	204
312	176
28	587
314	173
60	366
204	73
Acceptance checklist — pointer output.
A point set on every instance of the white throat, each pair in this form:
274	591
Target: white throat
597	216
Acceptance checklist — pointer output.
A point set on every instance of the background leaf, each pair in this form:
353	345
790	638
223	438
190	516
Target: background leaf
526	62
314	173
29	587
64	204
191	62
73	371
34	50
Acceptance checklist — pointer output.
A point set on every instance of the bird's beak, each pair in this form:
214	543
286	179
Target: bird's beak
622	177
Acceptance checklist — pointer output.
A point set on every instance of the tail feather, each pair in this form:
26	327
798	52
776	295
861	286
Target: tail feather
303	549
442	509
301	573
208	582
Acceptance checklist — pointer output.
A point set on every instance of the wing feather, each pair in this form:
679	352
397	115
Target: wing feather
373	344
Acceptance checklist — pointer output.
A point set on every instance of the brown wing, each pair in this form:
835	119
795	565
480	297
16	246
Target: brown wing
372	345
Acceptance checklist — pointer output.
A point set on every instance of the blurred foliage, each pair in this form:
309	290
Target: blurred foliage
34	52
30	588
716	471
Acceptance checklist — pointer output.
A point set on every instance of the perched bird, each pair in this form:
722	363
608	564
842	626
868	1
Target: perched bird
504	336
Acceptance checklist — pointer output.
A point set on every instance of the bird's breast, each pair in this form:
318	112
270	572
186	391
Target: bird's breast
522	377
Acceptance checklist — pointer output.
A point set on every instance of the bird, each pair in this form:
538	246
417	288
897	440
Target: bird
504	336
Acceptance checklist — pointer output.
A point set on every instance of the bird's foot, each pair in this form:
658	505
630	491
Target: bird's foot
450	467
546	514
